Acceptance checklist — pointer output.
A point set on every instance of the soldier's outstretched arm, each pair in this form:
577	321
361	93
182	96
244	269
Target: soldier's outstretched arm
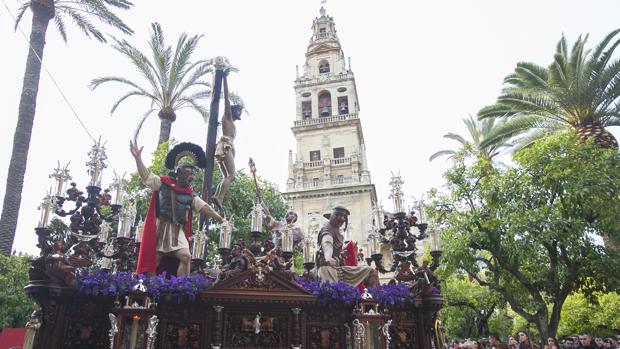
209	211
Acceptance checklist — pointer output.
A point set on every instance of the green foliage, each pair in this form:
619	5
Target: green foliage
465	298
600	318
531	232
15	306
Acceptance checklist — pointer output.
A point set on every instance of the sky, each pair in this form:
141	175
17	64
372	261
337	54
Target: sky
420	68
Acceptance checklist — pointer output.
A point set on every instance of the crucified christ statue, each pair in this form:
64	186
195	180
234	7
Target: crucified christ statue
225	149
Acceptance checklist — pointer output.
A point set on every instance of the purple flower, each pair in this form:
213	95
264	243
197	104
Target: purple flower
331	294
100	282
391	295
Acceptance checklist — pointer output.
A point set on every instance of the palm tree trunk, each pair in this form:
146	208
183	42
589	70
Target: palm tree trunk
43	12
165	127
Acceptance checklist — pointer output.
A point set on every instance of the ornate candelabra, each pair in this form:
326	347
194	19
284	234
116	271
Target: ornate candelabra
396	230
88	216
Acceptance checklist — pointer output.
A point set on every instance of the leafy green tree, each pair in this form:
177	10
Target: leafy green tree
466	300
238	203
173	81
15	306
531	232
43	11
579	90
479	132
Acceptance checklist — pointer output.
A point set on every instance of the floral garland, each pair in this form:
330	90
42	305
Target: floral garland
102	283
331	294
391	295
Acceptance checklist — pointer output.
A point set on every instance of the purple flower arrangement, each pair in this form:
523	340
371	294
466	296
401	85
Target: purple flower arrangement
331	294
179	288
101	283
391	295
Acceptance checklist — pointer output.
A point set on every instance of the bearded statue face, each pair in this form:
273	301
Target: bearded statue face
337	219
185	176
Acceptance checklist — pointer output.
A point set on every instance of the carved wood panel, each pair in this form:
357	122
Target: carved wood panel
247	330
181	335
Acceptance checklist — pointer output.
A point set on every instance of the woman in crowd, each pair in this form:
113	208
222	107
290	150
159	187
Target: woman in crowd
552	343
525	342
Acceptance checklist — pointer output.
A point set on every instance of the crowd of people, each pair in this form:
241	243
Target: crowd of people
522	341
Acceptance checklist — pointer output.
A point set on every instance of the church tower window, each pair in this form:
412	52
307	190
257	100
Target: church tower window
315	155
306	109
338	153
343	105
323	67
340	179
325	104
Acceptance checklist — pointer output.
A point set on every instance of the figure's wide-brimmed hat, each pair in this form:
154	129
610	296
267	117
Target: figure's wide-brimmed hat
186	154
337	209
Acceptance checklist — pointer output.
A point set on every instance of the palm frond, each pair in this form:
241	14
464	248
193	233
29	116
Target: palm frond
60	25
442	153
141	62
529	75
96	82
124	97
141	123
82	23
455	137
193	80
161	54
180	63
99	9
20	13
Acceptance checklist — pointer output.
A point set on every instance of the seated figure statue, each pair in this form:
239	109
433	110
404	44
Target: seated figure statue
329	261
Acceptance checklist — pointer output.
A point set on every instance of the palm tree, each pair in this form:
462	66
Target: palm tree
43	11
580	90
479	131
171	79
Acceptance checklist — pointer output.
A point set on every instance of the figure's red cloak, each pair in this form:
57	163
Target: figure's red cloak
147	257
350	258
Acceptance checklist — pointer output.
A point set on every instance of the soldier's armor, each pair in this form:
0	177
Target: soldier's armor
165	206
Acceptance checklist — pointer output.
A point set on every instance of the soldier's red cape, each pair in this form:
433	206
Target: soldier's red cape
147	261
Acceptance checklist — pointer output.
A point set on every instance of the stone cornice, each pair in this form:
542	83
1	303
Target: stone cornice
328	192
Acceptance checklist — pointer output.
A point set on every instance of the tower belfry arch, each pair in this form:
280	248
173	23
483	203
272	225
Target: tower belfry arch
329	163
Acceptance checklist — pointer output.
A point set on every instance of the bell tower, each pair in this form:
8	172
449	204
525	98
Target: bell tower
329	165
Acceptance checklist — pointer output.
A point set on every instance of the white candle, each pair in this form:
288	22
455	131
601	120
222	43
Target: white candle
198	246
225	233
134	332
308	251
139	230
45	208
257	217
287	239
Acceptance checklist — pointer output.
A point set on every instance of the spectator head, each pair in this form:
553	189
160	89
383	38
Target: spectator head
512	341
494	339
599	342
585	340
552	342
612	343
524	337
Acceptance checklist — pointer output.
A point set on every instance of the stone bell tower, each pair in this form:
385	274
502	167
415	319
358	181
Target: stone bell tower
329	166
